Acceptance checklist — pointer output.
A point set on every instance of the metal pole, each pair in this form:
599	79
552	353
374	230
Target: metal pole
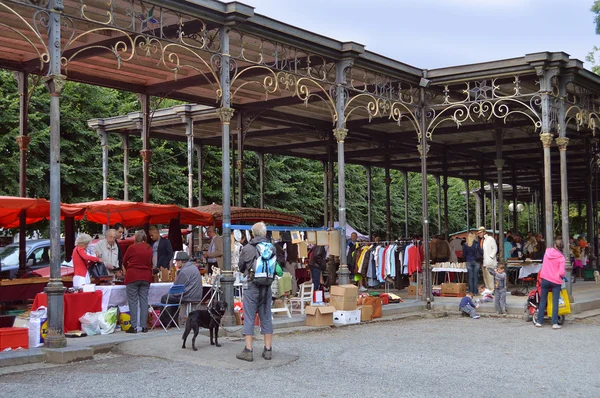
261	175
240	160
423	148
23	141
225	113
499	165
146	153
369	203
125	146
562	143
232	169
189	133
405	175
493	206
478	209
340	133
104	145
330	187
55	82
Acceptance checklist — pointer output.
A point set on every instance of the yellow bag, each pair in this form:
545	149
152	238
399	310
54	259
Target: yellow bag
564	305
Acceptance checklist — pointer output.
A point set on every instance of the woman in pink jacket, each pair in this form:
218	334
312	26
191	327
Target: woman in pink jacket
551	275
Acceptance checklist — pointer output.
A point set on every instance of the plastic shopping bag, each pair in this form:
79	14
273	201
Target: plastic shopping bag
124	317
108	321
564	305
89	323
38	327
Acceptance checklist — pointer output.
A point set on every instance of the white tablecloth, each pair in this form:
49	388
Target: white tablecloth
449	270
115	295
527	270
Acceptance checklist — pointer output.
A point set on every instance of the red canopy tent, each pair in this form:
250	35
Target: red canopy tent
35	209
137	213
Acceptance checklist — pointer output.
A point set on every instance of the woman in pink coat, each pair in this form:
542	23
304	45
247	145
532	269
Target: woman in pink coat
551	275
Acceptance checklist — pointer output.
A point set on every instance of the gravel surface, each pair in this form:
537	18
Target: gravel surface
453	356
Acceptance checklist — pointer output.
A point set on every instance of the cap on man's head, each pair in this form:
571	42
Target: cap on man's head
481	229
182	256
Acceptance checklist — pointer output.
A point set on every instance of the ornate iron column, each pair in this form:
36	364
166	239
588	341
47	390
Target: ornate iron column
104	145
493	206
240	159
261	178
477	209
199	156
55	82
369	202
405	176
499	165
423	148
125	146
515	195
146	153
388	202
445	197
325	194
189	133
546	136
482	194
340	133
438	184
467	202
225	113
23	141
589	206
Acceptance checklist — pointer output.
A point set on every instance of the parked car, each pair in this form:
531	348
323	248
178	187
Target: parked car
37	255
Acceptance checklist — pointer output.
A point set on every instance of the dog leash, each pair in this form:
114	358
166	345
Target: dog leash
212	316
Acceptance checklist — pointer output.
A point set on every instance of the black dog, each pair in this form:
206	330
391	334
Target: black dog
208	319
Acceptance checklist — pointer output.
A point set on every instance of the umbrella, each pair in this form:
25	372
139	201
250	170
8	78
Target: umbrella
129	214
248	214
35	210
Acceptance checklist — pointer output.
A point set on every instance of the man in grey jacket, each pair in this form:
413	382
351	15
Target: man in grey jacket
188	276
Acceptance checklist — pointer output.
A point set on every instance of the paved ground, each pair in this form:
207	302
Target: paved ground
455	356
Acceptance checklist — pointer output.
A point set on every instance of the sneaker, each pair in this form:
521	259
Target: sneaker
245	355
538	325
362	289
267	354
556	326
476	317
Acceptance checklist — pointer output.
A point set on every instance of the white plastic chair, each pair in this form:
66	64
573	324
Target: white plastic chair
305	295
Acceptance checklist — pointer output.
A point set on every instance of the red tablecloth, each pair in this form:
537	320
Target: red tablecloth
75	306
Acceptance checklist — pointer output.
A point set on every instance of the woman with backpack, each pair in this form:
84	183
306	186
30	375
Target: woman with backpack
258	264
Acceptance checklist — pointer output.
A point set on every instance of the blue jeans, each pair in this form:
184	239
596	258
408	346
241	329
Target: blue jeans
315	275
473	268
546	287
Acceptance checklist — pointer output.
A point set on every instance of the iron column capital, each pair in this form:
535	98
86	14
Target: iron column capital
225	114
546	139
499	164
562	143
340	134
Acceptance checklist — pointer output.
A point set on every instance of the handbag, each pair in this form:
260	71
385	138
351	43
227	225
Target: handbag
96	269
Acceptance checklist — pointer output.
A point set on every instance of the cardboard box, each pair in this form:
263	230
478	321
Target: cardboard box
412	290
454	289
346	317
366	312
343	297
319	315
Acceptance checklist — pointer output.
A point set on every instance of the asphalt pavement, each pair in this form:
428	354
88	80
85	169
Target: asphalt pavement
450	356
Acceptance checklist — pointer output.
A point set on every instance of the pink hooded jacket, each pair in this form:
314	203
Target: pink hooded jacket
553	267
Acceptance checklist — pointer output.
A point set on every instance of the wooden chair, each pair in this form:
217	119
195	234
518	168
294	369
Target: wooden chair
304	296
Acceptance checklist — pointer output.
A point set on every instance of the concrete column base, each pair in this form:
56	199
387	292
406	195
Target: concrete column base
227	281
55	337
343	275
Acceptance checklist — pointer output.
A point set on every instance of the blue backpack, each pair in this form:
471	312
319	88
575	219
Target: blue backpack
265	264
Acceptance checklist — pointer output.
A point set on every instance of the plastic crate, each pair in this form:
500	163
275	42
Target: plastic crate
14	338
588	274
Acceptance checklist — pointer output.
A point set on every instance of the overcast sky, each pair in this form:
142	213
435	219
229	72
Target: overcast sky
437	33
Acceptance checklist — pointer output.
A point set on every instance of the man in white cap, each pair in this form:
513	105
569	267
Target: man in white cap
490	249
